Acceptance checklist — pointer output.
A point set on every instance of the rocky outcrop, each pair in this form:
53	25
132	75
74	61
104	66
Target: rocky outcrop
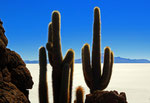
106	97
11	94
15	77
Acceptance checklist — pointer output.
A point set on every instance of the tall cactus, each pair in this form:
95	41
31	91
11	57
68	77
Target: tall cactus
43	88
94	79
62	72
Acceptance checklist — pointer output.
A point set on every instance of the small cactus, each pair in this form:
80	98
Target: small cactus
62	73
94	79
79	95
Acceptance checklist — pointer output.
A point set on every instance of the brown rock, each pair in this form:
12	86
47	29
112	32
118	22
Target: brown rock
10	94
106	97
21	77
1	76
14	60
6	75
3	39
2	45
15	78
3	57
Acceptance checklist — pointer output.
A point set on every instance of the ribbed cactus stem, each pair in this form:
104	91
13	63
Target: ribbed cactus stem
43	89
49	45
56	37
107	68
64	91
69	57
94	78
71	79
87	70
57	55
58	63
96	51
79	95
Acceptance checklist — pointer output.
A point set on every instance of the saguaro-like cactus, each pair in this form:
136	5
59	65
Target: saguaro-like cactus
94	79
43	88
62	73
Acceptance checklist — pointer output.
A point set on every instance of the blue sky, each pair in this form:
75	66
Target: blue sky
125	25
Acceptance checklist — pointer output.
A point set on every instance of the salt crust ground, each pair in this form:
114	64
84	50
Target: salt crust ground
134	79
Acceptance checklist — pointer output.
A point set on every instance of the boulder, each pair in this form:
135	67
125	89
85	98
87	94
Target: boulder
15	78
106	97
9	93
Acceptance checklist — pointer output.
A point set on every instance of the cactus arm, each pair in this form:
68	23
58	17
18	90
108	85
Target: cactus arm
112	59
69	57
110	70
71	81
56	38
107	70
96	54
64	89
50	33
49	44
43	89
49	47
87	71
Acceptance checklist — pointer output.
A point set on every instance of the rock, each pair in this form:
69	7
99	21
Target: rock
1	76
10	94
15	78
3	39
106	97
14	59
3	58
6	75
21	77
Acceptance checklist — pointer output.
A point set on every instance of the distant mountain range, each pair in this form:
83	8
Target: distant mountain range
116	60
121	60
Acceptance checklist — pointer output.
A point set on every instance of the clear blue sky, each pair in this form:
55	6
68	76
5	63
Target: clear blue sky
125	25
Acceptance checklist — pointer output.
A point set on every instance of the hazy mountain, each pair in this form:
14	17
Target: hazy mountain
121	60
31	61
127	60
116	60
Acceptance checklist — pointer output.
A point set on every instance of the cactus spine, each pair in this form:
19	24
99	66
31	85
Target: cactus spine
43	88
62	73
94	79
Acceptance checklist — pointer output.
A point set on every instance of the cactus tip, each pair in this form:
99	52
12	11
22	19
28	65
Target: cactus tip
80	89
56	13
49	24
79	94
97	10
107	48
86	45
41	48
